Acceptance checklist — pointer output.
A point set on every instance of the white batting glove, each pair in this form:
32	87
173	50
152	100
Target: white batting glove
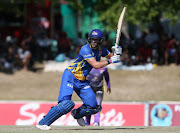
114	59
117	50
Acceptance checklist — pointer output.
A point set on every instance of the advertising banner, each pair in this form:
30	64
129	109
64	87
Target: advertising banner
164	114
112	114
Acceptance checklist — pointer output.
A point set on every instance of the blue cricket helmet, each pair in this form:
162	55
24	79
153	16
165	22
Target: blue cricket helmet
96	34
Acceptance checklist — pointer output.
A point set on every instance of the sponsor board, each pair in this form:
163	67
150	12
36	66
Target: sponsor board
112	114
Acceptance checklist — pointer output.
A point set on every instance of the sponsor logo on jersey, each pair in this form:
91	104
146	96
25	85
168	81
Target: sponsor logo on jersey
87	87
101	70
70	85
87	55
100	52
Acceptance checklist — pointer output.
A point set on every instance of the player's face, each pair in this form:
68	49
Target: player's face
94	43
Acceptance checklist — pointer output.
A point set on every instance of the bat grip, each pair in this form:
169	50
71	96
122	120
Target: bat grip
114	50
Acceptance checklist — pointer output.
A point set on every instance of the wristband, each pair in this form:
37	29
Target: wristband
109	61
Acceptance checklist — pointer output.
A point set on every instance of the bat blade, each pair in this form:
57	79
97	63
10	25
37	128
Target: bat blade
120	21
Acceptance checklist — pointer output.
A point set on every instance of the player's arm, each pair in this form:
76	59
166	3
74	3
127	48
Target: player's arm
109	56
97	64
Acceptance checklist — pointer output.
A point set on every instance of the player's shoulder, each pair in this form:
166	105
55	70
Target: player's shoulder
85	48
102	46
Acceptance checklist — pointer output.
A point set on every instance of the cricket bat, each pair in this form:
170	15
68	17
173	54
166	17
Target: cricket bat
118	34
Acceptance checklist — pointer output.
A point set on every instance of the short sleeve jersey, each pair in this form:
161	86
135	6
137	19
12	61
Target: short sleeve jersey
80	67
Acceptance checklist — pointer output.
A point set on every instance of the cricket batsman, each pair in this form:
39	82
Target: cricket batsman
74	79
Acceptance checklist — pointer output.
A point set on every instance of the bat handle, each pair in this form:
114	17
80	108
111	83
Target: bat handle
113	50
117	50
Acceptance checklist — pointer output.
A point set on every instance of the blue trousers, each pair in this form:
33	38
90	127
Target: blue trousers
69	84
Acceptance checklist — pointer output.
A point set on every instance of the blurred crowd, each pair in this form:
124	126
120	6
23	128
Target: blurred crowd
151	47
21	54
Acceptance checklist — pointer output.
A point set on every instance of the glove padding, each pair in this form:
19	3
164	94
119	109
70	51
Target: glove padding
114	59
117	50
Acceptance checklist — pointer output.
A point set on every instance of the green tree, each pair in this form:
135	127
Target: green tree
140	12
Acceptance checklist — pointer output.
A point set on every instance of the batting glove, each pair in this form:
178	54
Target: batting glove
117	50
114	59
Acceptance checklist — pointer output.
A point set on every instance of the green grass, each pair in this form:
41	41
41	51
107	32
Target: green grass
90	129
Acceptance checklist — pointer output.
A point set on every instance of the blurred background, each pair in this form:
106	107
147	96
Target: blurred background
40	38
34	31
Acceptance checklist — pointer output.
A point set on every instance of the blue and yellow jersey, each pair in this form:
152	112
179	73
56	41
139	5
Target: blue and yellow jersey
80	67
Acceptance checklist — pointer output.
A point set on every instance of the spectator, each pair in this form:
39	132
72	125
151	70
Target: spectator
145	53
2	54
79	42
64	44
30	41
140	41
126	58
8	52
107	42
8	62
24	56
178	52
54	49
44	48
152	39
161	47
170	54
